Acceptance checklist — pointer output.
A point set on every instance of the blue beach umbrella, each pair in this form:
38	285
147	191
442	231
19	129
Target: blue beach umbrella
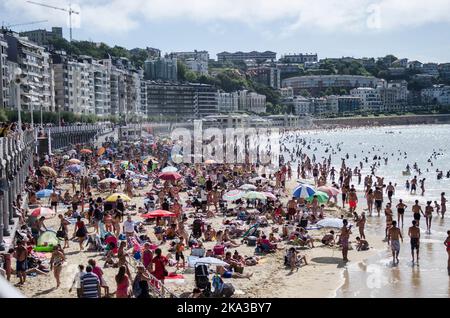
74	168
303	191
44	193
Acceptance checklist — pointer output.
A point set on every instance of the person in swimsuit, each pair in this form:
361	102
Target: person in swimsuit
361	223
394	236
344	238
370	200
21	255
443	204
56	263
401	207
390	190
123	283
378	196
417	211
447	245
414	234
428	216
389	218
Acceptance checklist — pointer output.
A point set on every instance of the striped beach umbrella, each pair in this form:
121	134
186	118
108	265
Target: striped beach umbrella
331	191
303	191
247	187
233	195
45	212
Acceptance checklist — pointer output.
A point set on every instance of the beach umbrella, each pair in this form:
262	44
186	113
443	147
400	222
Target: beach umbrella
66	157
270	195
169	169
72	152
115	196
85	151
210	162
44	193
247	187
254	195
74	168
45	212
47	171
101	151
259	179
177	158
233	195
209	261
331	222
321	196
74	161
303	191
173	176
158	214
105	162
109	180
331	191
306	181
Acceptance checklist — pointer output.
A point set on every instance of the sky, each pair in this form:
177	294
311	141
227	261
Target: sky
415	29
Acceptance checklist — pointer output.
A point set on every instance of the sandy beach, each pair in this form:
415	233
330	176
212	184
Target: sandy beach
320	278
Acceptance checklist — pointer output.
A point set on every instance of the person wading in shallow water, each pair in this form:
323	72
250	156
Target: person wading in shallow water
414	234
394	236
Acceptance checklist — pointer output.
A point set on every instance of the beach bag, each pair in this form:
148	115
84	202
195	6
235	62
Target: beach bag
227	290
251	241
201	276
219	250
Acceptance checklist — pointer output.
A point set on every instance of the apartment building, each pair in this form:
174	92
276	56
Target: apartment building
252	102
35	64
4	73
370	99
394	96
42	36
185	101
438	94
300	58
164	69
242	56
318	83
266	75
227	102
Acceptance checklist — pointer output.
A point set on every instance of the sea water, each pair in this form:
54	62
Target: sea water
377	276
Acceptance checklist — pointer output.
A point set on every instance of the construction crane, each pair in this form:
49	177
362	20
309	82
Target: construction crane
69	11
22	24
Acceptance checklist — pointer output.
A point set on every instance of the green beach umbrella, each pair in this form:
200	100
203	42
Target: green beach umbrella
253	195
321	196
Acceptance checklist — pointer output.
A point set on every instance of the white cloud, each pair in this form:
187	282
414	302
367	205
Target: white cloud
323	15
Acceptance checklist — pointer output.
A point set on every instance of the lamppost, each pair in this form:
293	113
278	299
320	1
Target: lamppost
19	79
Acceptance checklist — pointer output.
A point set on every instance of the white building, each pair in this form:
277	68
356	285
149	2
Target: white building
252	102
394	96
430	69
4	74
227	102
438	94
302	105
370	98
35	64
